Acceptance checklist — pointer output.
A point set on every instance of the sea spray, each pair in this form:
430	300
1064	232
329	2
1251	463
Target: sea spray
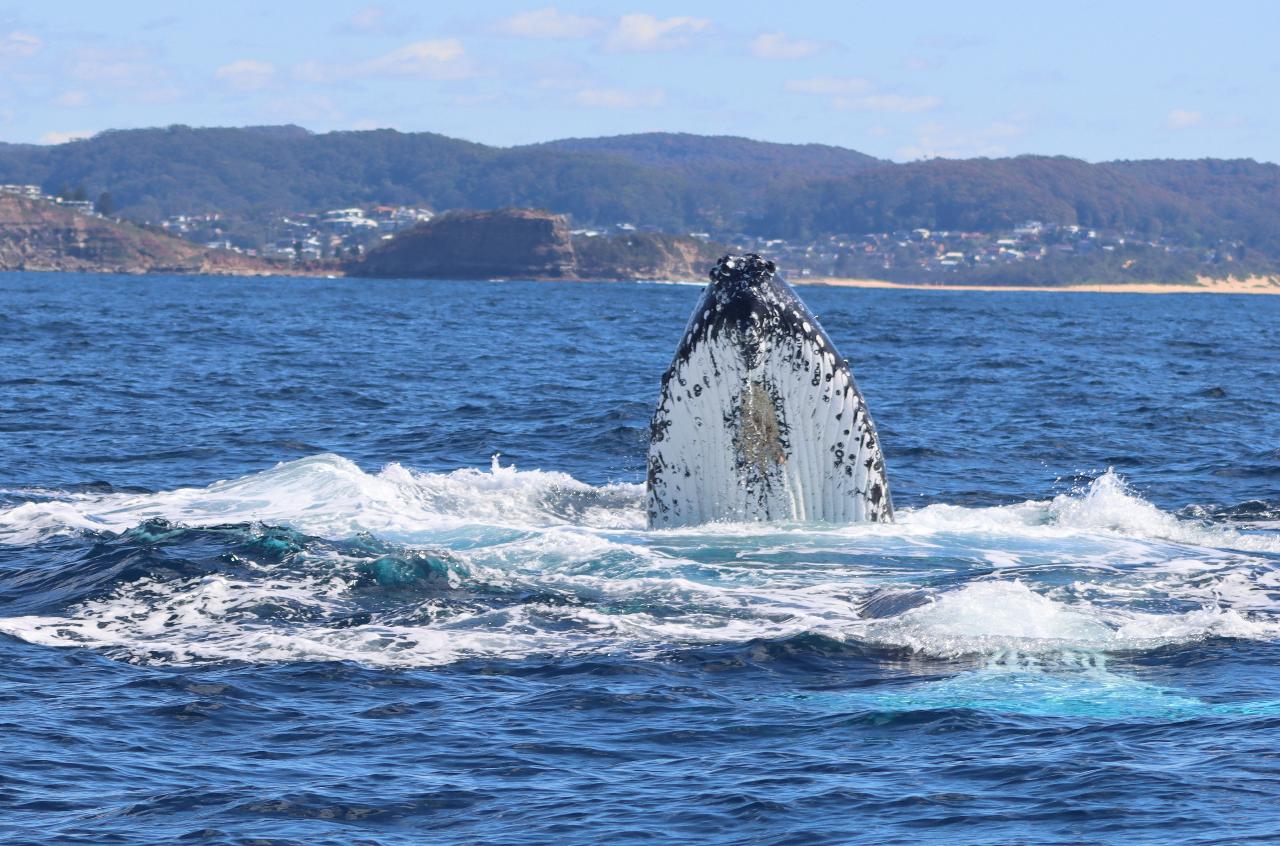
497	565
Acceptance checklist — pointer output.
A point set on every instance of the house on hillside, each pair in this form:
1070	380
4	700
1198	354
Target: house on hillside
31	192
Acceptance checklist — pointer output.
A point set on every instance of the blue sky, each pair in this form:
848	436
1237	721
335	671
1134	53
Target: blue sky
898	80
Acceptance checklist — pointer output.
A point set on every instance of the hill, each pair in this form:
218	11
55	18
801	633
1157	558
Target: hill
529	244
1195	202
39	235
153	173
667	180
720	154
673	182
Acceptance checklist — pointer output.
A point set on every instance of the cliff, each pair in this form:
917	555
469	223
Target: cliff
510	243
645	255
528	244
40	235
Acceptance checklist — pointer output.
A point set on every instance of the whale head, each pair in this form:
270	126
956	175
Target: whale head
748	304
741	281
749	269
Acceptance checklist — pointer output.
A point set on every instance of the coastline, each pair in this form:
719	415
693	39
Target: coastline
1202	285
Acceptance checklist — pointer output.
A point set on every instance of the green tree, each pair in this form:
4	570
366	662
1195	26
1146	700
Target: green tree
105	206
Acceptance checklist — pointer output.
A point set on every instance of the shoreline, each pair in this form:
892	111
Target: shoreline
1263	285
1202	285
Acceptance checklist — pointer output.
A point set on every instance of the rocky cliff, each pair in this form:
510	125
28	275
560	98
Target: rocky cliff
508	243
645	255
528	244
40	235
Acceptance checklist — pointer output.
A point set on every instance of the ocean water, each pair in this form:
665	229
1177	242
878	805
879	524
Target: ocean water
298	561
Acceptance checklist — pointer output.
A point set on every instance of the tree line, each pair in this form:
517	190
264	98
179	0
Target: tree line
670	181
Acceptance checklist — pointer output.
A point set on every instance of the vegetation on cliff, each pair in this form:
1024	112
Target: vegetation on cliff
39	235
475	245
528	244
645	255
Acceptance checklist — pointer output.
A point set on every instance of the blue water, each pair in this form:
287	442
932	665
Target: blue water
262	579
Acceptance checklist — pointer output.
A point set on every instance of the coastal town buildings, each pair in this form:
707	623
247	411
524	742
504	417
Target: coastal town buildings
1027	247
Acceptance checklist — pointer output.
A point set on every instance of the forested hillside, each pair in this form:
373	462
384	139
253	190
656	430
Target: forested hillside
1195	202
670	181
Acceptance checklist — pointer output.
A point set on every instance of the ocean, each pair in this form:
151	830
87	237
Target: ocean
306	561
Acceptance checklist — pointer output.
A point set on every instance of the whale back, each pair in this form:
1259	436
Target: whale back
759	419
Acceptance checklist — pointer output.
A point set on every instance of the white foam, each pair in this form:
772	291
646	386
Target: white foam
1109	504
1095	571
330	496
1008	618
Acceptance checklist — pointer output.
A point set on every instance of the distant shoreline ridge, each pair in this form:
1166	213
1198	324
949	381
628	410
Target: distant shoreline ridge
1203	285
1263	285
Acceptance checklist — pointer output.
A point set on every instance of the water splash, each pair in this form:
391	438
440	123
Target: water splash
508	563
331	496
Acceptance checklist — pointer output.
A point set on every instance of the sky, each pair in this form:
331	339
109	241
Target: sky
904	81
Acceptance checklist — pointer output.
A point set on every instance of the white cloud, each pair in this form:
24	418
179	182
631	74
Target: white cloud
856	93
831	85
620	98
1182	119
778	45
315	72
937	141
922	63
887	103
549	23
246	74
374	20
124	71
641	33
369	20
440	59
125	66
20	45
71	99
64	137
555	73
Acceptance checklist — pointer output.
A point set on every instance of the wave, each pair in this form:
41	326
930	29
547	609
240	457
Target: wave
329	495
316	559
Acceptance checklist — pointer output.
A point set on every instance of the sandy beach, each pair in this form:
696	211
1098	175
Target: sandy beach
1202	285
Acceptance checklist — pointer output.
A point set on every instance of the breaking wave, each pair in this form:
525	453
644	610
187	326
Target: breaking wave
316	559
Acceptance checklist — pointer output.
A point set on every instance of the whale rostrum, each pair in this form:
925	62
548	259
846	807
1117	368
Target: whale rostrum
759	417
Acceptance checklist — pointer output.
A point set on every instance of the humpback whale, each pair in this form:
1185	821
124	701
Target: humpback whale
759	418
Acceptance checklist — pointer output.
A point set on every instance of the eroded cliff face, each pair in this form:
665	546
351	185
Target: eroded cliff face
507	243
529	244
501	244
645	255
39	235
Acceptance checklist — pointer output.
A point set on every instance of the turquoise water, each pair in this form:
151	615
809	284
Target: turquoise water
336	561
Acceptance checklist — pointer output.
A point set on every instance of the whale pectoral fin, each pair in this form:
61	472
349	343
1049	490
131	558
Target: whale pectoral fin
692	475
758	418
835	469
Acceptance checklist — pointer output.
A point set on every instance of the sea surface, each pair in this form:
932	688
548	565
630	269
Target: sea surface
305	561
